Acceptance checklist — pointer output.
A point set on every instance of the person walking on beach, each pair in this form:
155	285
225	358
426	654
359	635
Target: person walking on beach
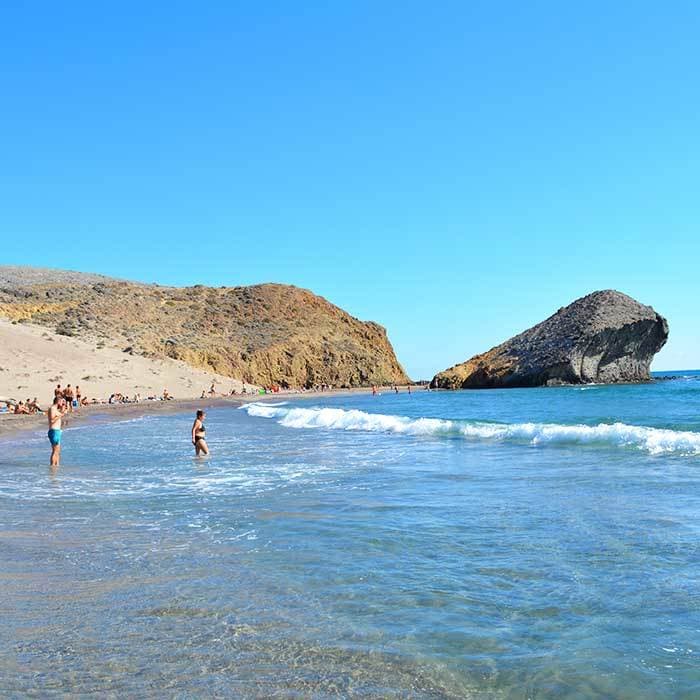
199	434
68	396
56	413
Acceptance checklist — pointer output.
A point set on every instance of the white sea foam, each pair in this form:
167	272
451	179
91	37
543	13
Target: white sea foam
651	440
261	410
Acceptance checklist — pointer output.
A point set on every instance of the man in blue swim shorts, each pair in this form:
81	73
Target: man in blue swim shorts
56	413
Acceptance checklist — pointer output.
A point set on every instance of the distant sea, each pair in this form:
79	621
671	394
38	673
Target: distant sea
679	373
523	543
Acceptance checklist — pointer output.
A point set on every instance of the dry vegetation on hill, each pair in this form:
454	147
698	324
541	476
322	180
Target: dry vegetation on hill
263	334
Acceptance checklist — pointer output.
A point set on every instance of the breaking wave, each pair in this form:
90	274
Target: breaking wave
651	440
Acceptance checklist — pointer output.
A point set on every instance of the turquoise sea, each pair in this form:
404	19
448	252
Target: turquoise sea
523	543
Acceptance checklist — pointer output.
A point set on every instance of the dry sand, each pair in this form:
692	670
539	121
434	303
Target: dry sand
33	360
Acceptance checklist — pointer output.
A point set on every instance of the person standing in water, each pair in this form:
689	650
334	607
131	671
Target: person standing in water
56	413
199	434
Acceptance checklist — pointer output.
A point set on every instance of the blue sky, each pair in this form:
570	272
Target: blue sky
455	171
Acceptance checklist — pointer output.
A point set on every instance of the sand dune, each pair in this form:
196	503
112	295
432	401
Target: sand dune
33	360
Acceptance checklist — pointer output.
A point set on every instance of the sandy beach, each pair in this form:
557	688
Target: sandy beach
33	360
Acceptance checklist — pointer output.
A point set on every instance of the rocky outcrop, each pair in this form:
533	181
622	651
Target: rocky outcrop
263	334
604	337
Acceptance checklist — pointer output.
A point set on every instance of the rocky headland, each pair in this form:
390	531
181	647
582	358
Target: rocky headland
266	334
604	337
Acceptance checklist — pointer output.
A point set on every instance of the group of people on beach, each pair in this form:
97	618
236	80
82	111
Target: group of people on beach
213	392
65	400
27	408
73	397
119	398
270	389
375	390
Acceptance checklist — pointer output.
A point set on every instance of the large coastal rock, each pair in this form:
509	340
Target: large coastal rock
263	334
604	337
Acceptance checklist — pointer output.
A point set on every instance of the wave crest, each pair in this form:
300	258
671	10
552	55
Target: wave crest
651	440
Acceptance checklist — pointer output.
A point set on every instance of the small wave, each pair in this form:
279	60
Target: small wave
256	405
262	410
651	440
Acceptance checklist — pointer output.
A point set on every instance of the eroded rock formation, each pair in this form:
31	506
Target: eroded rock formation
604	337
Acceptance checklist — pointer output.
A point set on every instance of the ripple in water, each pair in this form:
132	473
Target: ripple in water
529	543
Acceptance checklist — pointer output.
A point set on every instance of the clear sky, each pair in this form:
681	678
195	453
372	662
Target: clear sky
455	171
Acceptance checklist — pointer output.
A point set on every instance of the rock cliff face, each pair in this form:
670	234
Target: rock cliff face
604	337
264	334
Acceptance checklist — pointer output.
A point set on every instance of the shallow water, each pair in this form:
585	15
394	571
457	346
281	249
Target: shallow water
521	543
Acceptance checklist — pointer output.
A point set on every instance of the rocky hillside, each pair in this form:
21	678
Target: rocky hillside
604	337
263	334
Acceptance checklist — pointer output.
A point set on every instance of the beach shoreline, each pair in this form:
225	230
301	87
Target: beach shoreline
12	426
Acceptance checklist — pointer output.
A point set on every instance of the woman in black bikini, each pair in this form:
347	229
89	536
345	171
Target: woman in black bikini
199	434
